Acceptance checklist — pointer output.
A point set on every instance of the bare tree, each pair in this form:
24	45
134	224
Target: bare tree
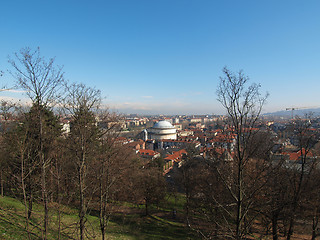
243	105
16	149
82	104
112	172
313	202
305	140
150	186
38	77
41	81
109	166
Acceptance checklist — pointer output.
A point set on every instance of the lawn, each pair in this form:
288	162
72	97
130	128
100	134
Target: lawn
129	223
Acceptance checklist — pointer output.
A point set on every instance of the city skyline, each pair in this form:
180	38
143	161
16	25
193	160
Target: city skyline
166	57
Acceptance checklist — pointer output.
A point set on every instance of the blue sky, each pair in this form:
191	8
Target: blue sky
166	56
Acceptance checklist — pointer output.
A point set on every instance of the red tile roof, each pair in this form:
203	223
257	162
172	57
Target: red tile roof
294	156
176	156
147	152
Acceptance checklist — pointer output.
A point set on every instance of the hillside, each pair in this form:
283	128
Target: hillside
128	223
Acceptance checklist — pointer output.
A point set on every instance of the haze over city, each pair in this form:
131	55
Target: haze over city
165	57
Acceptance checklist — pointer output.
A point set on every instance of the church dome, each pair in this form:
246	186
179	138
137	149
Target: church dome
162	130
163	124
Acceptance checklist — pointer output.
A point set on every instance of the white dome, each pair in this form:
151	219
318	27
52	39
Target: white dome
163	124
162	130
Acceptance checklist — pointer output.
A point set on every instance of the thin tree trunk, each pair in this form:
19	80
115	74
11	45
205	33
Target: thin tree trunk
296	198
103	219
26	208
29	198
239	199
147	209
82	198
43	178
102	206
45	202
2	182
275	227
103	201
315	221
58	200
81	213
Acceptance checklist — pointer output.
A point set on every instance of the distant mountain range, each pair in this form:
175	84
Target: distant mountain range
298	112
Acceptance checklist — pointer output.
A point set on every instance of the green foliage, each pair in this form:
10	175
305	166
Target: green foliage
84	130
40	122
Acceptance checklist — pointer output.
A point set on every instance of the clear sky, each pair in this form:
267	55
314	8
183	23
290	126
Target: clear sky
166	56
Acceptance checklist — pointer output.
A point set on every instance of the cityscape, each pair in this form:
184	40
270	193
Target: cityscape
171	119
236	175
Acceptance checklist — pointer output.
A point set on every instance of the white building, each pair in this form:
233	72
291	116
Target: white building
162	130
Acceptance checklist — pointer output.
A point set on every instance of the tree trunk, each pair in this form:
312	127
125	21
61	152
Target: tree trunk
27	209
2	182
103	232
30	200
275	227
296	197
102	208
147	208
239	196
103	199
315	221
45	201
290	230
82	211
58	200
43	177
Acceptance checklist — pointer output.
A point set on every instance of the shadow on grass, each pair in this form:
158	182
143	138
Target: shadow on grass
148	227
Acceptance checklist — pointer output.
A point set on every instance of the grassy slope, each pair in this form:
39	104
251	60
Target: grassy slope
127	225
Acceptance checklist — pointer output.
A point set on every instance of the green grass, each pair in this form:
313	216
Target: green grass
176	201
153	227
130	226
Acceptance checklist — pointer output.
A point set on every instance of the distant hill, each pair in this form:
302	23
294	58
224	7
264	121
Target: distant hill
299	112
